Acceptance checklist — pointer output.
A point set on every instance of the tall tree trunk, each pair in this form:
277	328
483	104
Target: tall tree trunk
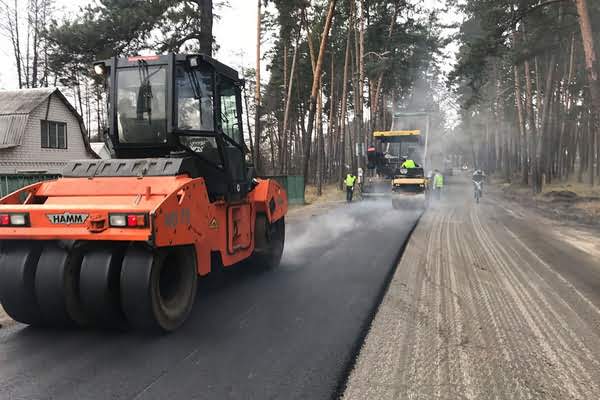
257	99
282	134
361	70
359	87
28	48
591	147
530	111
36	32
591	68
522	129
319	122
13	27
355	94
342	124
331	122
375	100
45	43
540	156
315	88
272	147
288	102
309	40
564	142
206	26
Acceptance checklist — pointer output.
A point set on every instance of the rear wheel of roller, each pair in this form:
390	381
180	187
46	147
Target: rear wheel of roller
57	285
99	286
269	239
158	288
18	263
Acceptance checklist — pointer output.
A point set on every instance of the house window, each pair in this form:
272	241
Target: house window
54	135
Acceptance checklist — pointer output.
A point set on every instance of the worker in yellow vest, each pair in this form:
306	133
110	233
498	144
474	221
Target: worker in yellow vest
349	181
438	183
408	164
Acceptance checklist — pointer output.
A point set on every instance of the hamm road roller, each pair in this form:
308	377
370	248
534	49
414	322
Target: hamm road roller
122	242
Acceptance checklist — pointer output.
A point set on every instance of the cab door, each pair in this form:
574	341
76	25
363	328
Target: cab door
239	214
229	121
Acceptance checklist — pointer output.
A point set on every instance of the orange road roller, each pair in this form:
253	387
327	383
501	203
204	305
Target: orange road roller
122	242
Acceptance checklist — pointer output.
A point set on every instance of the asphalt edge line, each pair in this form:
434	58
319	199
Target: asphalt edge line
366	326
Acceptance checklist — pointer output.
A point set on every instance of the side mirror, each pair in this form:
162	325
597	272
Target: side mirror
251	174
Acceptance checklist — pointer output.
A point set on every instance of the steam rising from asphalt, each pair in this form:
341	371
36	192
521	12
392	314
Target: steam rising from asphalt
333	227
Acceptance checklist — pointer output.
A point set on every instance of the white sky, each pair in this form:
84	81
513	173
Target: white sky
234	30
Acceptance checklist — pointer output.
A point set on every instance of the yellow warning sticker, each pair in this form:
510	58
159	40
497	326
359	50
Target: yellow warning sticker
213	224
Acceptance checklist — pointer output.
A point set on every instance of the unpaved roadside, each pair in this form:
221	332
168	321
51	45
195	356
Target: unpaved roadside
488	302
568	203
311	210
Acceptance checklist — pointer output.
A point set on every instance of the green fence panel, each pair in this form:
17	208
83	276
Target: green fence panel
10	183
294	186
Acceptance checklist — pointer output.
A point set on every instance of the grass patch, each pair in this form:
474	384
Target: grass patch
330	192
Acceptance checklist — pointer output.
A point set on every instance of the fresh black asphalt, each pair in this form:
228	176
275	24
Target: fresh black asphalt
291	333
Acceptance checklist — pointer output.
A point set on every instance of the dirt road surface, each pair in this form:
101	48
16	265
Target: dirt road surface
489	301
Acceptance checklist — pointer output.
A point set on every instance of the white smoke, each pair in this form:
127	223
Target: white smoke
327	230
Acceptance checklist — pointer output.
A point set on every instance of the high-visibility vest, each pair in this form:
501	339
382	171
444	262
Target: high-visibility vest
350	180
409	164
438	180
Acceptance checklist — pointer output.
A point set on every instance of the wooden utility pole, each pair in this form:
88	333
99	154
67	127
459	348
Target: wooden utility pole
257	98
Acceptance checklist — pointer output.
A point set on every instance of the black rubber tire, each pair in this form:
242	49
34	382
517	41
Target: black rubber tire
99	285
216	278
18	263
57	285
269	240
158	288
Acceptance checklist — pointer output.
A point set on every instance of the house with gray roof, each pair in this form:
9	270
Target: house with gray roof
39	132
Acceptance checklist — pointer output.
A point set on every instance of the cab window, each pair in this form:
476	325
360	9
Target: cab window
229	116
141	104
194	96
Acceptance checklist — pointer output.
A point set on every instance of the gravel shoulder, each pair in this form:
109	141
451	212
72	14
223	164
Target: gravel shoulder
569	203
488	301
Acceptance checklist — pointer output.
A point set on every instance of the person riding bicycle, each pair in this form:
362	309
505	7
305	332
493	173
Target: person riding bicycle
478	179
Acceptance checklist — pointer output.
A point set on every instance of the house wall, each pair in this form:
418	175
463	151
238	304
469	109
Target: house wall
30	156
